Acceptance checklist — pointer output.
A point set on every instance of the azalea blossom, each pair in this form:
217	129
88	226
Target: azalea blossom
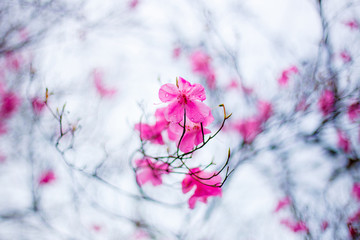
13	61
47	177
147	170
352	24
200	63
285	75
265	110
343	141
249	128
150	132
206	184
324	225
153	133
354	111
326	102
184	97
37	105
298	226
345	56
193	134
356	191
99	85
10	102
286	201
176	52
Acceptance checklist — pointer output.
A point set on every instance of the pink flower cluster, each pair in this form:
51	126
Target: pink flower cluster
295	226
343	142
47	177
102	90
249	128
354	111
184	100
185	119
285	75
201	64
206	184
9	104
326	102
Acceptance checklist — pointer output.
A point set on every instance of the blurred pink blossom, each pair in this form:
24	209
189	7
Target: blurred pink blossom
326	102
285	75
354	111
345	56
249	128
184	97
147	170
206	183
356	190
133	4
352	24
265	110
47	177
324	225
10	103
96	227
13	61
298	226
99	85
284	202
37	105
343	141
200	63
176	52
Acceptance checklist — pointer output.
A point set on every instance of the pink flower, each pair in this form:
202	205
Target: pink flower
184	97
286	201
13	61
345	56
96	227
200	62
302	105
10	102
47	177
265	110
206	184
249	128
343	142
210	78
326	102
149	171
352	24
356	191
299	226
3	129
285	75
133	4
354	111
324	225
354	225
151	133
193	133
37	105
176	52
99	85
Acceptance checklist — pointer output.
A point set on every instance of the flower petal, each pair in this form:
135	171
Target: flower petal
174	112
197	111
183	84
197	92
168	92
